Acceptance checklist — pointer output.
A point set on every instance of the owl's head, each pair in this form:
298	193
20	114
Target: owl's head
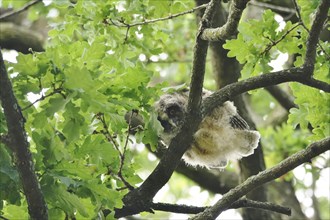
171	109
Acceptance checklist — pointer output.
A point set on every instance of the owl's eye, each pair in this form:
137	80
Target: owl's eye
173	110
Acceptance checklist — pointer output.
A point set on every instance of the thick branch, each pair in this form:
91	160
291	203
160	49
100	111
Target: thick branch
248	203
264	80
4	138
19	38
140	198
19	145
285	100
314	33
230	28
280	169
241	203
214	180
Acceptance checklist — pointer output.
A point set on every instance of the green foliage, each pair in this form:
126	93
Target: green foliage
260	41
9	181
307	10
281	142
313	104
13	4
91	74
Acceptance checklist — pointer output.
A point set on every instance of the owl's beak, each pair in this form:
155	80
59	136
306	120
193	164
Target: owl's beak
168	123
174	122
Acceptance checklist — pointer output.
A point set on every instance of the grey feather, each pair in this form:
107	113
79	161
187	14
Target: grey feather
238	122
223	135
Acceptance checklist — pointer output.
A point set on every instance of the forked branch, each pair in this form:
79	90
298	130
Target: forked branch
275	172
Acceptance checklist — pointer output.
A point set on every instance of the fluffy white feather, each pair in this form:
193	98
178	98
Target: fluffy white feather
221	136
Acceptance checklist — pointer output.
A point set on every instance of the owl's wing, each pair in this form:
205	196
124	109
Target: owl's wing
237	122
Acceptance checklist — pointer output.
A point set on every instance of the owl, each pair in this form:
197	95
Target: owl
221	136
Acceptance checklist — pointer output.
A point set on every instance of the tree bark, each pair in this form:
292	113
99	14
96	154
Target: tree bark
226	71
18	144
19	38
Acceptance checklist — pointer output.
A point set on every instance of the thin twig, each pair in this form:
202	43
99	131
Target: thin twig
43	97
123	24
273	7
25	7
306	28
122	156
298	12
274	43
110	138
106	132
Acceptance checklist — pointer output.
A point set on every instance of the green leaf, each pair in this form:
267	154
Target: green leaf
26	65
99	151
237	48
15	212
6	165
298	117
54	105
58	196
78	79
109	197
71	130
152	129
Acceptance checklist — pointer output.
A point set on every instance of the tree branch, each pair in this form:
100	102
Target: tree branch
285	100
43	97
252	182
25	7
230	28
272	7
4	138
123	24
20	38
19	145
264	80
140	199
314	33
248	203
274	43
215	181
305	27
241	203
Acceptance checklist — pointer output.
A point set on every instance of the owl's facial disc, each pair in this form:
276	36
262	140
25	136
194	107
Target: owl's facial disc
171	118
167	124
